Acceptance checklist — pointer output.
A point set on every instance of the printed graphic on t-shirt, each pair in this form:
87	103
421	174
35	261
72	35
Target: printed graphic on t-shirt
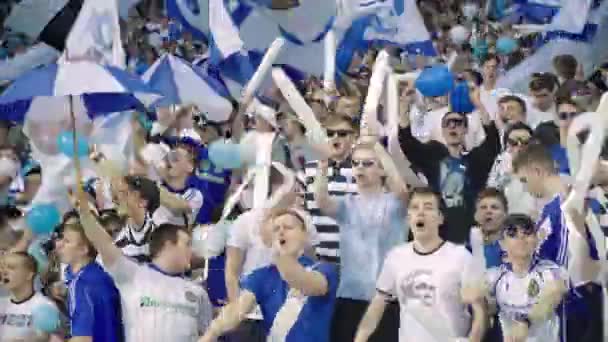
419	286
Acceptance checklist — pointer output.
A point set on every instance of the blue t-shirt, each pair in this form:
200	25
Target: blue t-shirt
94	304
314	319
212	181
370	226
554	235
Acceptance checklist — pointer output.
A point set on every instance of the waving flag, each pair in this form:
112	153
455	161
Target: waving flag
579	29
95	36
192	14
401	24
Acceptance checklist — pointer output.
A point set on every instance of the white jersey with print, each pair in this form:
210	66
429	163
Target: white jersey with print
16	318
430	283
195	201
158	307
515	295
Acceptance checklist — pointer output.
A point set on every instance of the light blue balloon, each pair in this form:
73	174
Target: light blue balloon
506	45
65	142
35	249
46	318
225	155
43	218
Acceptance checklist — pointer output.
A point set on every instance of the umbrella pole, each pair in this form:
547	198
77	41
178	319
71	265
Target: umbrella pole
75	147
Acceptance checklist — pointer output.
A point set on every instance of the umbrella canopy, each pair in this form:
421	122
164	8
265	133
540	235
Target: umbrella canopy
101	89
181	83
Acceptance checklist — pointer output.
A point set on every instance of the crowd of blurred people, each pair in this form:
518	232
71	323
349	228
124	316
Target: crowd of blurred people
349	246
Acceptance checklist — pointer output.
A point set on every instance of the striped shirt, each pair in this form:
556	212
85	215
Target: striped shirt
340	182
134	242
195	201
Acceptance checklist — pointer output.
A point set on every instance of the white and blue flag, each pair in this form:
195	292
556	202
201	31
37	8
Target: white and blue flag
192	14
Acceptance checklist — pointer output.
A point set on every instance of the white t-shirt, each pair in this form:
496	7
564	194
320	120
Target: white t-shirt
515	295
195	201
158	307
431	282
16	321
245	235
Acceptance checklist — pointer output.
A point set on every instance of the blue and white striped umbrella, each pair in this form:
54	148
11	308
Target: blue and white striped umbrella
181	83
96	89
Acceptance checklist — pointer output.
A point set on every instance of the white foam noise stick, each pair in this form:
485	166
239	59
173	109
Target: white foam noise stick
588	155
314	131
478	266
258	77
374	92
261	183
392	131
329	75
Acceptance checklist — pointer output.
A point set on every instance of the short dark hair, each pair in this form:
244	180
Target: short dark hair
516	99
543	81
491	192
488	57
147	189
427	191
536	154
565	66
77	228
29	261
567	100
514	127
162	234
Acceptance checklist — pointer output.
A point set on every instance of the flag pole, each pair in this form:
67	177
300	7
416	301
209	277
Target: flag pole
75	147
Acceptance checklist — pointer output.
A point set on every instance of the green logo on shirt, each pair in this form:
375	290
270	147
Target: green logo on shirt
149	302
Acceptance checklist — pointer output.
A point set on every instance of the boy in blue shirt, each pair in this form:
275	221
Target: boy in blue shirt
296	295
93	299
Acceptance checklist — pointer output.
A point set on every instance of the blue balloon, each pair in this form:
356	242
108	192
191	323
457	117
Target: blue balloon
435	81
225	155
506	45
460	99
65	142
46	318
35	249
43	218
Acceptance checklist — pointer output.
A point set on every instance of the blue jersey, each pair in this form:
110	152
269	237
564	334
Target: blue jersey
275	298
212	181
94	304
554	235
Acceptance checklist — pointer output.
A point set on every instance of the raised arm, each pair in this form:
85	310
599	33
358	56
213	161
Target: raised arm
395	182
372	318
101	240
230	317
310	283
326	203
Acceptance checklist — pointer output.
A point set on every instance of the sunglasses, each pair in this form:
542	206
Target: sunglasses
512	231
363	163
339	133
453	122
518	142
567	115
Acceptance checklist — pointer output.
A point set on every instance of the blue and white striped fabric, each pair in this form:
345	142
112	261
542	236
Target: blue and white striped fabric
180	83
400	23
100	89
192	14
579	29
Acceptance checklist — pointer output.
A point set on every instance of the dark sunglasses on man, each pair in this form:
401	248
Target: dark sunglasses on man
363	163
455	122
341	133
567	115
518	142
